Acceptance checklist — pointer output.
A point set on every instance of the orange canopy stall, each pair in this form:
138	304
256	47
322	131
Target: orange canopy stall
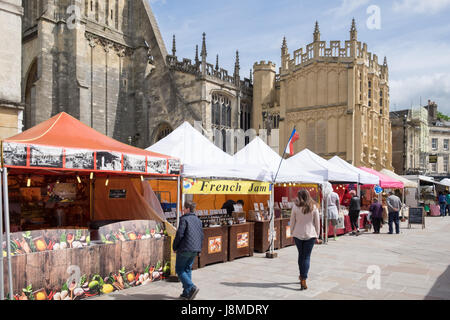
73	152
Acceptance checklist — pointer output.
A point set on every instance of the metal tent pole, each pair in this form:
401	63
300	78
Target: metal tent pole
272	220
2	283
8	235
178	200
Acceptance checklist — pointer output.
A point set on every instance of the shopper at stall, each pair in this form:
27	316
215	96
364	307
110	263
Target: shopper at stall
353	212
333	211
442	203
376	210
394	205
229	205
447	209
305	226
187	245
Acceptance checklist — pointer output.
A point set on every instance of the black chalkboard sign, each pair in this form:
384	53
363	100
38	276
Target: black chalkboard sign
117	194
416	217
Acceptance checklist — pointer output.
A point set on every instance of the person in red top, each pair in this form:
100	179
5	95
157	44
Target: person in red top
376	210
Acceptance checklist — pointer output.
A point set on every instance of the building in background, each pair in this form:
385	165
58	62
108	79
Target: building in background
105	63
11	107
421	142
336	96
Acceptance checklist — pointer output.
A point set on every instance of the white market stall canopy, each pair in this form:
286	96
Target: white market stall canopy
312	163
203	159
364	177
446	182
407	183
424	180
258	153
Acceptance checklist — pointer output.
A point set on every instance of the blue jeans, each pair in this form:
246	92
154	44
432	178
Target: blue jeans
443	209
394	218
183	268
304	248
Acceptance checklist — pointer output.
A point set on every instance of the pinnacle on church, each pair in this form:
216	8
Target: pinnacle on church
204	53
353	31
196	55
251	76
385	61
317	32
174	46
284	48
237	65
217	62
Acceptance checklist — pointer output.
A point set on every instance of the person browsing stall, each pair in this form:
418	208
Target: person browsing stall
376	210
394	205
353	212
333	211
187	245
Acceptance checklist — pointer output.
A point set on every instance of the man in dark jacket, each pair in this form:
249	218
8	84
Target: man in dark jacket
353	212
188	244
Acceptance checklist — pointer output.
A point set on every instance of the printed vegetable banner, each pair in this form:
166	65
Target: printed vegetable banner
47	240
202	186
131	230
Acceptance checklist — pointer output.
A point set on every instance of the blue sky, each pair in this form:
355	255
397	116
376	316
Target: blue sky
414	35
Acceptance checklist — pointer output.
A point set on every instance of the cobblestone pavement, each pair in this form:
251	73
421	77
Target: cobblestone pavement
414	265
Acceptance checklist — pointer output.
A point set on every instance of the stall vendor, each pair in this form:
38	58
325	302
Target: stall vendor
229	205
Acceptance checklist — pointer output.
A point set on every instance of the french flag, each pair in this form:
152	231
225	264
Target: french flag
290	146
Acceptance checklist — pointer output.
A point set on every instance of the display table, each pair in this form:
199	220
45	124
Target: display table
215	246
286	238
241	240
262	228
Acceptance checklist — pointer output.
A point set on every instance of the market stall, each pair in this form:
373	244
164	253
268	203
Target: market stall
64	182
258	153
331	173
426	195
227	234
408	187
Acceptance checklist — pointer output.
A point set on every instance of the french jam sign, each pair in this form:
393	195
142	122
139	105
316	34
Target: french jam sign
201	186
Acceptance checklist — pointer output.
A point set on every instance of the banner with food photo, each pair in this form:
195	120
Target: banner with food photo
214	245
131	230
47	240
242	240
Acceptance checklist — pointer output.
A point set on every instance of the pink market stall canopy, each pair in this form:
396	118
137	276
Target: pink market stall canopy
386	182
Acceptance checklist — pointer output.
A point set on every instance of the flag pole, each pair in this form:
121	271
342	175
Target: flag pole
271	254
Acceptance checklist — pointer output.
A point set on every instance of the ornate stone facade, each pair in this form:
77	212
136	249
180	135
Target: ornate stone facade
112	71
337	97
11	108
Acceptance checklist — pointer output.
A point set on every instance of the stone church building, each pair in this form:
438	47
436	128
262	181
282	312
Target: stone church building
336	95
105	63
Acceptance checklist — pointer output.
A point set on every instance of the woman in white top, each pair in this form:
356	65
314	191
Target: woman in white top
333	210
305	226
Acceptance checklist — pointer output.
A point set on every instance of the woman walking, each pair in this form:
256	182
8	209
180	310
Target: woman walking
353	212
305	226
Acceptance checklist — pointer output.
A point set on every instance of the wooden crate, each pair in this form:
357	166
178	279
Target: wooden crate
262	228
286	238
211	252
240	240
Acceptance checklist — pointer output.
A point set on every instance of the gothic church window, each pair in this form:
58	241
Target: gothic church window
221	110
162	131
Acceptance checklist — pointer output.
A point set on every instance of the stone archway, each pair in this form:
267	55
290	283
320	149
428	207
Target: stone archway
30	95
162	131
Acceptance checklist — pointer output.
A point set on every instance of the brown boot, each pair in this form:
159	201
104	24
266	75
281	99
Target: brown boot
303	284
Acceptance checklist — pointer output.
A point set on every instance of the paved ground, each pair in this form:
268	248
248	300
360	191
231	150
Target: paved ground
414	265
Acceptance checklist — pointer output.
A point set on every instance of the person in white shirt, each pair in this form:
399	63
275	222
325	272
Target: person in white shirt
333	210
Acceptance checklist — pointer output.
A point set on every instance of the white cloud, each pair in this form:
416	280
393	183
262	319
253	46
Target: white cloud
347	7
411	90
421	6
